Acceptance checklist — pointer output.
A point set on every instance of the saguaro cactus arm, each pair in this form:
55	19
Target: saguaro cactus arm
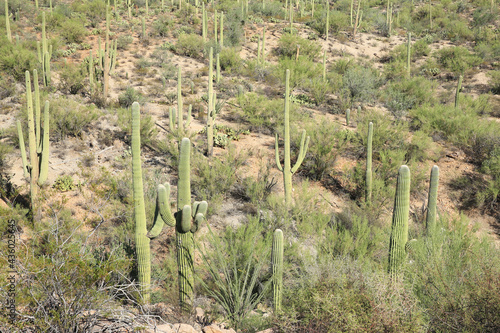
304	143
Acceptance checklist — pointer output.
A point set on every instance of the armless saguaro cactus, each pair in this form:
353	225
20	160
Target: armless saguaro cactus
430	222
142	248
399	231
287	170
211	111
277	262
369	164
186	220
7	21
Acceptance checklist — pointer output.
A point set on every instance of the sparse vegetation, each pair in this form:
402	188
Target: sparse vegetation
79	251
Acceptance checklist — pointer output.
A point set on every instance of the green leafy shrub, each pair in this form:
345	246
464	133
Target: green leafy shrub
129	96
72	78
495	81
407	94
361	82
73	31
301	71
287	47
16	59
124	41
70	118
190	45
230	60
457	59
162	25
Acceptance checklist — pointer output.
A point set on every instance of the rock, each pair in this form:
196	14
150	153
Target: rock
217	329
183	328
165	328
200	315
269	330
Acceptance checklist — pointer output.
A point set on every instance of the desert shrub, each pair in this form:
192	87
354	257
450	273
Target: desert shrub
455	278
73	31
457	59
233	27
287	47
124	41
301	71
489	49
261	113
327	143
128	97
16	59
68	283
318	88
94	10
70	118
230	60
407	94
483	16
343	294
189	45
271	9
495	81
162	25
72	78
361	82
213	182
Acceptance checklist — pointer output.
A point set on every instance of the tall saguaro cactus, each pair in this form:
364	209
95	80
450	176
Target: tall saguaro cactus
37	169
142	248
211	109
7	21
399	231
186	220
277	262
287	170
369	164
430	222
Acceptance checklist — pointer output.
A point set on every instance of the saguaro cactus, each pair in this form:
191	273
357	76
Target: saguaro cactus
211	110
142	248
37	169
277	262
287	170
399	231
432	200
369	164
7	21
186	220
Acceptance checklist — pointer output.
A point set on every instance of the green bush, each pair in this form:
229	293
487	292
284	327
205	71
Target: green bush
163	25
72	78
495	81
16	59
124	41
70	118
129	96
457	59
301	71
455	278
189	45
230	60
287	47
400	96
362	83
73	31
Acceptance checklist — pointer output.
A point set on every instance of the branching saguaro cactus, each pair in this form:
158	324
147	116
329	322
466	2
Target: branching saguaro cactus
430	222
369	164
287	170
38	166
142	248
399	231
277	262
186	220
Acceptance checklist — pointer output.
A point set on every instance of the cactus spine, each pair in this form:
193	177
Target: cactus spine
457	93
432	200
277	262
399	232
186	220
369	164
408	56
211	111
287	170
141	240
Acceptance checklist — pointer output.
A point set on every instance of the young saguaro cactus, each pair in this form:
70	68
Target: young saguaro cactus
187	220
369	164
277	263
7	21
173	120
287	170
142	246
211	110
430	222
399	231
